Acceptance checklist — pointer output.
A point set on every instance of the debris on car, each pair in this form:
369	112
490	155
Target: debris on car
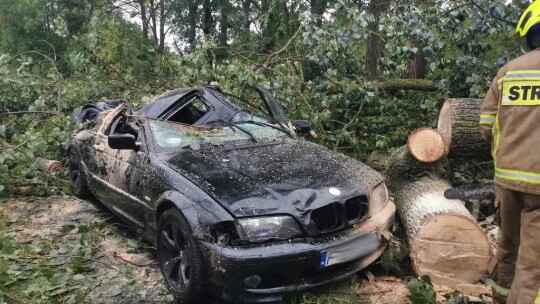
229	194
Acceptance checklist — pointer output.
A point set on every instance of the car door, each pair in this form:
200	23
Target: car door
127	177
115	173
131	180
95	160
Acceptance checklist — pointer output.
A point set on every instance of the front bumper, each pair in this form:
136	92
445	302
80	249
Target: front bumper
288	267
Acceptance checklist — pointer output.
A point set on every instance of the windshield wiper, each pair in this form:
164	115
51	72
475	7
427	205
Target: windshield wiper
234	126
271	126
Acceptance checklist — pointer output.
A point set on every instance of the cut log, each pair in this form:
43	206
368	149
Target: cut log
445	241
47	165
458	124
427	145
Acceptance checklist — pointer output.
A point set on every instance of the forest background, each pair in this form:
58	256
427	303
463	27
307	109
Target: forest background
344	65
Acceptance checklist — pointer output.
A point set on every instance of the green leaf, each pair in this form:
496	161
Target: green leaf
68	229
132	244
2	130
422	291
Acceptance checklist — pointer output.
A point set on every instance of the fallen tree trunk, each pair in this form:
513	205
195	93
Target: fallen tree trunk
47	165
408	84
445	241
387	85
427	145
459	126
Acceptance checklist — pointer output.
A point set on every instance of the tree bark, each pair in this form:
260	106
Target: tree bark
208	20
417	68
375	45
162	21
154	22
246	8
459	126
223	28
144	18
445	241
407	84
48	165
192	21
317	8
389	85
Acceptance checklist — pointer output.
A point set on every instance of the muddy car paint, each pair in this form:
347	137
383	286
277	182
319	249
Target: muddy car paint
214	186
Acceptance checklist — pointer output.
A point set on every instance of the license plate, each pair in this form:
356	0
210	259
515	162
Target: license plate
349	251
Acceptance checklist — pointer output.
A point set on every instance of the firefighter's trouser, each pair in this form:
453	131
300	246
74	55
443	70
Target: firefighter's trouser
517	274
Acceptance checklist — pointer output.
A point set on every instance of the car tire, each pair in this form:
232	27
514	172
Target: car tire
76	175
180	258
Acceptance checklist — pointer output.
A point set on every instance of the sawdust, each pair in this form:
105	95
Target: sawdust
381	290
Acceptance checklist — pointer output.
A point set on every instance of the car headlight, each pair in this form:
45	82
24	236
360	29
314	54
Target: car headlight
378	198
265	228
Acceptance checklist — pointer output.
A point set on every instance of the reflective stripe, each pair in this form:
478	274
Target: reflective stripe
500	82
521	176
487	119
521	73
537	299
505	292
496	139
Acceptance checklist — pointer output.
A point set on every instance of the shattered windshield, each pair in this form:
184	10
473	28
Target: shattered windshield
172	135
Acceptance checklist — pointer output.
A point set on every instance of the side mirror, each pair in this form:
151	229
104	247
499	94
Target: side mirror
122	142
301	126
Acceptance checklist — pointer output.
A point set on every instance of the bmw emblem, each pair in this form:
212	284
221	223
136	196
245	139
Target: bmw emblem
334	191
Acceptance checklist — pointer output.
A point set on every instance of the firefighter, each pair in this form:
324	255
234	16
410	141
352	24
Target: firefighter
510	119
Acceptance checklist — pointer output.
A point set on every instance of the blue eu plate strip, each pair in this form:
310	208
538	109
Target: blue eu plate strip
324	259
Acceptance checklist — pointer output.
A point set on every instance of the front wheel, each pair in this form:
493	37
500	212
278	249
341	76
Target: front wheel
179	257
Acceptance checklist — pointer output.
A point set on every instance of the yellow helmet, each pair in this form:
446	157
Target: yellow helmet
529	18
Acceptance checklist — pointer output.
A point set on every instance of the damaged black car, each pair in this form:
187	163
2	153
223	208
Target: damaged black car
234	200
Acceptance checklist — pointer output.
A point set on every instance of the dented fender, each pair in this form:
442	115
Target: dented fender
201	216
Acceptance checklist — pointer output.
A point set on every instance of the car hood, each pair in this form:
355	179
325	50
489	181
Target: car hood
285	177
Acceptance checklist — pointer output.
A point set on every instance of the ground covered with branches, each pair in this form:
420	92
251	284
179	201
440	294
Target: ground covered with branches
65	250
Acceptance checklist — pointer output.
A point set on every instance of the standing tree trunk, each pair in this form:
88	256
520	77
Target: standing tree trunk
417	68
268	31
208	20
375	45
144	18
162	20
154	22
246	7
223	28
192	22
317	8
